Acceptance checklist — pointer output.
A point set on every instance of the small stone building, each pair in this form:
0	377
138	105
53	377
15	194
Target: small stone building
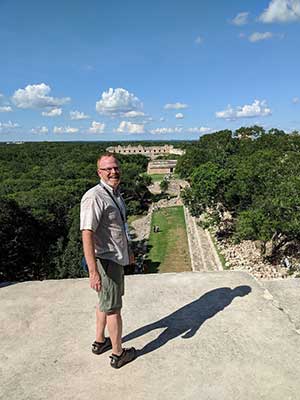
161	166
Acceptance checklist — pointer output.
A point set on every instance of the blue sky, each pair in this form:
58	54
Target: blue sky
130	70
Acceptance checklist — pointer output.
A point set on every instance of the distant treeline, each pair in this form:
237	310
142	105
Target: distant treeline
41	185
248	183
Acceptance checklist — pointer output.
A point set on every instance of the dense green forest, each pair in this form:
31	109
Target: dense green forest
252	176
40	191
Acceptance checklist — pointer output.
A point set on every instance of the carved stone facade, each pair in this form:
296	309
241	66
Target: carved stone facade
149	151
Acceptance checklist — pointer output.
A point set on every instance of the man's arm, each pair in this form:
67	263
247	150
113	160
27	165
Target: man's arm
89	254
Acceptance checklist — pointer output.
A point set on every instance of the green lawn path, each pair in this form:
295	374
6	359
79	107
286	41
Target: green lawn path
157	177
168	248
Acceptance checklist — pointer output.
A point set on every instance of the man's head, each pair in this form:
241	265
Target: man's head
109	170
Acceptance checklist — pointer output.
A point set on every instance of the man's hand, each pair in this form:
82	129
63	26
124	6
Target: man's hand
89	253
95	281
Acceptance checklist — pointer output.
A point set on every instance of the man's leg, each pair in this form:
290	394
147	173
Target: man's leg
114	325
100	325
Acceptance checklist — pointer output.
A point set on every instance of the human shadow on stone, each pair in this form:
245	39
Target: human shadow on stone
186	321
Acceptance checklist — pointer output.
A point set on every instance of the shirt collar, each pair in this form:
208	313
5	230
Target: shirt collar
111	190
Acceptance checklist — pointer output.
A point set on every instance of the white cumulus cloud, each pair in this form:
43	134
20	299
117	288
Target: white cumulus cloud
65	129
7	127
97	127
179	116
129	127
281	11
241	19
117	102
258	36
77	115
36	96
175	106
161	131
200	129
40	130
256	109
295	100
5	109
54	112
134	114
180	129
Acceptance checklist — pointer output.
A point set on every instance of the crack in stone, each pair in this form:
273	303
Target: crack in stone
268	296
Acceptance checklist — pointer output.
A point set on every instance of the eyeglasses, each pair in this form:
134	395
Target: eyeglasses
110	169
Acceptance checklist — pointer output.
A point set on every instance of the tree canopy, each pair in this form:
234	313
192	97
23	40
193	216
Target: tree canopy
41	188
254	175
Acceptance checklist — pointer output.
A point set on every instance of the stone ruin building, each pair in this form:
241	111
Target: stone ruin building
161	166
149	151
154	166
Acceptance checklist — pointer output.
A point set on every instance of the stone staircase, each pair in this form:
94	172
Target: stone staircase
202	251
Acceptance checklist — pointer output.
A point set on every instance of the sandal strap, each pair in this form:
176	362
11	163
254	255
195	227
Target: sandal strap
124	352
125	357
101	343
99	346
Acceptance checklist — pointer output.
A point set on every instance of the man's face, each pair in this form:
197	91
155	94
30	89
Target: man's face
109	171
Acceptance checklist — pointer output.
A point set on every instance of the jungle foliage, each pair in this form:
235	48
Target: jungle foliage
40	192
252	175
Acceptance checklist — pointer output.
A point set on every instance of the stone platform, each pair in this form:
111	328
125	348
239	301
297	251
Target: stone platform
209	336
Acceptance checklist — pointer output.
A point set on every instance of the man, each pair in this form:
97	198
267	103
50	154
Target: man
106	250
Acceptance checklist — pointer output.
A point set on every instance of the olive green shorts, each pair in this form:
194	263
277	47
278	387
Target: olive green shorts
112	285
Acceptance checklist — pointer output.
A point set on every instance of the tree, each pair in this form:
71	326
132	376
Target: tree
274	217
216	147
257	182
20	244
249	132
164	184
72	257
208	183
135	186
276	132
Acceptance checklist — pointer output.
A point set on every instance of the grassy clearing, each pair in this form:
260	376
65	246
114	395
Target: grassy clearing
169	247
157	177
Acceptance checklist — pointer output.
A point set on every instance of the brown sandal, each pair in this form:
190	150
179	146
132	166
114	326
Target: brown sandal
99	348
124	358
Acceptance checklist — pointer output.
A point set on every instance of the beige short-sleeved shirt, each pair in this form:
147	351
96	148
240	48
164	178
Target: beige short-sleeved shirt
99	213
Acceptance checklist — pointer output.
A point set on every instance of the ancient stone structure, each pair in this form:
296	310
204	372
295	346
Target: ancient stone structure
161	166
149	151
